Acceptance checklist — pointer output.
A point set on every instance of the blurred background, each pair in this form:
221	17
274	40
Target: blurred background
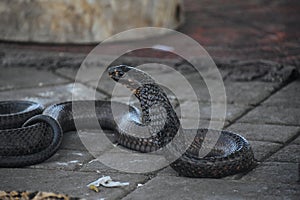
231	29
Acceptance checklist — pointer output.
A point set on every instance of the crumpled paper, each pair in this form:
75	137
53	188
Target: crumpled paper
105	181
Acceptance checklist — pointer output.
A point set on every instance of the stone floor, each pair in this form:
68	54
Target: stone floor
258	59
265	112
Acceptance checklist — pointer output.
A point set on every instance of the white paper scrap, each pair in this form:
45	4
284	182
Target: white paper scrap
106	181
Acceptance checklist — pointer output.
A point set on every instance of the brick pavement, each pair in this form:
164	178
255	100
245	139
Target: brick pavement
257	109
256	47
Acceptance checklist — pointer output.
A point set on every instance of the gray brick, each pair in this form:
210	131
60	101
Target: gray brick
72	141
274	172
87	73
249	93
296	141
290	153
263	149
69	182
273	115
25	77
127	161
170	187
232	111
168	171
289	96
96	166
65	160
195	124
50	95
265	132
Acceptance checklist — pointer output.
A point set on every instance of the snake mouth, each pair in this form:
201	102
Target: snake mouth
118	72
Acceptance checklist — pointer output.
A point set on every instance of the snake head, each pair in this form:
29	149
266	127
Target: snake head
118	72
130	77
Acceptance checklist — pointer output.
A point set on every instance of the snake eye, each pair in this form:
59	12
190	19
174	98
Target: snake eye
121	73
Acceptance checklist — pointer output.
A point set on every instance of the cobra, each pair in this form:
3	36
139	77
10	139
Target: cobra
30	134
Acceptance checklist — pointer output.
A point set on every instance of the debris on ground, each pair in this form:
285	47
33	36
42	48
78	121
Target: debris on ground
105	181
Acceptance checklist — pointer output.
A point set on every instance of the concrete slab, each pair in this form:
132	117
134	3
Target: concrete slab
69	182
290	153
71	141
263	150
20	77
288	96
274	172
170	187
97	166
265	30
50	95
273	115
195	124
127	161
188	110
265	132
68	160
296	141
249	93
88	73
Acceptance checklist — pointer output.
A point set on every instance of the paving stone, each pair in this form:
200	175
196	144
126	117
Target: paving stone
203	65
188	110
69	182
245	93
41	59
167	171
260	70
273	115
71	141
65	160
109	87
265	132
195	124
50	95
97	166
290	153
274	172
272	36
249	93
20	77
87	72
263	149
289	96
97	141
170	187
297	140
128	161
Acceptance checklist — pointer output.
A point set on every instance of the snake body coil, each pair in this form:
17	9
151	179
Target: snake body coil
29	135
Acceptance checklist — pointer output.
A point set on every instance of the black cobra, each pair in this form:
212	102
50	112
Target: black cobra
30	135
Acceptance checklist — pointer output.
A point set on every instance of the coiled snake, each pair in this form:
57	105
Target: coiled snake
30	135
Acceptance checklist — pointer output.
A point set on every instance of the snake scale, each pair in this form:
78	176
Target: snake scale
30	134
